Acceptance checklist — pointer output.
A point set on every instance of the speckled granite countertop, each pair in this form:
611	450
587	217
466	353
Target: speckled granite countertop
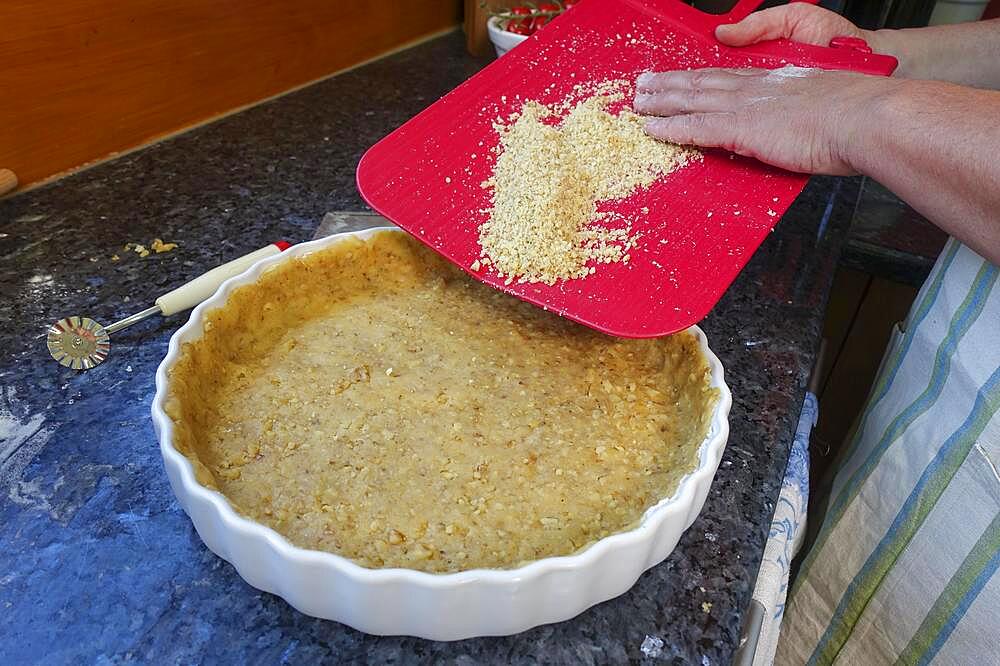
97	561
888	239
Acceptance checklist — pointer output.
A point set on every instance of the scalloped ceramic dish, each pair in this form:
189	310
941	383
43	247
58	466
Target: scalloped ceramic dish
447	606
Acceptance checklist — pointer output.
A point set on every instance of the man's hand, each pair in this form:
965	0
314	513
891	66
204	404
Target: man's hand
797	21
933	144
794	118
967	53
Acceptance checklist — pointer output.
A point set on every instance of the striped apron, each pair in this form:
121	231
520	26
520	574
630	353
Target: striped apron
904	569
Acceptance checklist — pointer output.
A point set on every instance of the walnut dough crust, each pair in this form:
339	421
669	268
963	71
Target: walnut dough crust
373	401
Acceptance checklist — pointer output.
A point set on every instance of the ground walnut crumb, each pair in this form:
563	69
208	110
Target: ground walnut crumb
138	248
158	246
549	178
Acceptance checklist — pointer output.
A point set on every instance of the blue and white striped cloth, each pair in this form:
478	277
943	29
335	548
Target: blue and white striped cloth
904	569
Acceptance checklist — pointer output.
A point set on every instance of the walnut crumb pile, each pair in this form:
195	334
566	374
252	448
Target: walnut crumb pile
549	178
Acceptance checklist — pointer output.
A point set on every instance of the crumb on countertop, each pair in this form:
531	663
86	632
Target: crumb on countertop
157	246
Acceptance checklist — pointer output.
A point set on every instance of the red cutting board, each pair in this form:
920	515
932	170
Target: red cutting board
704	221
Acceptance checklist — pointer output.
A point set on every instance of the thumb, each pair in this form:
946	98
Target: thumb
757	27
754	28
709	130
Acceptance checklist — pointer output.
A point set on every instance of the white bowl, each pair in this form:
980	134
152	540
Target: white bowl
404	601
503	41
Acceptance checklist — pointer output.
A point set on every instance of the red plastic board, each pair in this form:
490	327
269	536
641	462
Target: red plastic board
704	221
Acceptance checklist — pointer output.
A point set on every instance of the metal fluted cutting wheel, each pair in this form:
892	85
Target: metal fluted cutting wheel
81	343
78	342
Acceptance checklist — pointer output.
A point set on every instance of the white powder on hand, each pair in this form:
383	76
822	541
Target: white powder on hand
790	71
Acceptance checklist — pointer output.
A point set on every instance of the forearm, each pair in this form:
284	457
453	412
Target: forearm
936	146
967	53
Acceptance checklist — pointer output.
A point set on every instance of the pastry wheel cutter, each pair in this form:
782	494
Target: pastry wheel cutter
81	343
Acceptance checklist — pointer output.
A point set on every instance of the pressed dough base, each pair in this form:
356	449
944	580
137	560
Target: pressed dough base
373	401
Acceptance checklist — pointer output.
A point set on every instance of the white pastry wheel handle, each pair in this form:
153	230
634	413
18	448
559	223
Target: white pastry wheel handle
194	292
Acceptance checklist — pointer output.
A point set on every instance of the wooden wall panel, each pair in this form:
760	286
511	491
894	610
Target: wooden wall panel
83	79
